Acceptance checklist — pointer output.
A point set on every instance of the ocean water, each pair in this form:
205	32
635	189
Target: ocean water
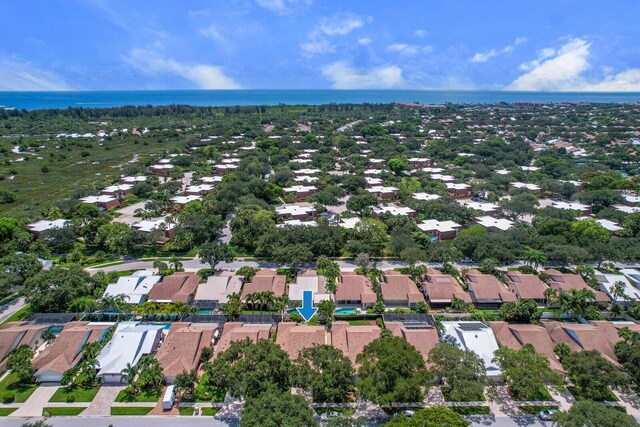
47	100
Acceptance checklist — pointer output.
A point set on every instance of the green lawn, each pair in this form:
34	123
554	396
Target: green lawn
209	411
187	410
6	411
610	396
62	411
70	395
18	315
359	322
11	391
143	396
206	392
472	410
129	410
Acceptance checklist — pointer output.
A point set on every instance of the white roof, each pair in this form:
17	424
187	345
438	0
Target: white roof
148	225
627	209
373	171
445	178
305	178
130	342
482	206
455	186
44	225
199	188
502	172
393	209
440	226
183	200
211	179
218	288
632	199
134	179
425	196
299	188
477	337
297	222
576	206
306	171
418	159
162	167
310	283
373	181
607	284
633	274
134	287
532	187
382	189
609	225
98	199
491	222
349	222
432	170
294	209
529	168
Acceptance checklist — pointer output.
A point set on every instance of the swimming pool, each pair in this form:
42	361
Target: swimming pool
347	310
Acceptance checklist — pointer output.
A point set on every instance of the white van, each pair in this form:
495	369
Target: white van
169	397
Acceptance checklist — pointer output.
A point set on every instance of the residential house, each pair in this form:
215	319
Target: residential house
309	281
441	289
300	211
633	275
514	336
383	193
198	190
354	289
419	162
580	336
526	286
66	351
300	192
179	202
486	208
399	290
165	227
15	334
39	227
425	197
240	331
130	341
181	349
294	338
618	288
352	339
175	288
132	179
266	280
218	288
135	288
566	282
116	190
486	290
102	202
493	224
393	209
477	337
422	337
441	230
458	190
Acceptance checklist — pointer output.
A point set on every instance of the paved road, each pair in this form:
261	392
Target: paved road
120	421
505	421
10	311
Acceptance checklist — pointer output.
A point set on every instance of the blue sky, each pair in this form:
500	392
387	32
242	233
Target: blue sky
570	45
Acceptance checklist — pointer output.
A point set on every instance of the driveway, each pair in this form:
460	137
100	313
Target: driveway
38	400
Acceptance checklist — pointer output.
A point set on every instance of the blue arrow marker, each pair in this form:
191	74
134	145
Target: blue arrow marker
307	311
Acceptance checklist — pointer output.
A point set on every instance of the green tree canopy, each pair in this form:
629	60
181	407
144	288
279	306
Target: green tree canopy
324	371
273	408
437	416
462	372
587	413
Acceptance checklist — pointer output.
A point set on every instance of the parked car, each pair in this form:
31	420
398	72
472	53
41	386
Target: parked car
409	413
547	414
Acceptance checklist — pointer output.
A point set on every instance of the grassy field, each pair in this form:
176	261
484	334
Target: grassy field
62	411
18	315
11	391
143	396
206	392
69	395
52	174
127	410
209	411
6	411
187	410
359	322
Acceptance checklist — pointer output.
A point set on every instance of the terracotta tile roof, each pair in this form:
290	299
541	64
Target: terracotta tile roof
610	329
566	282
177	287
398	287
15	334
355	287
65	351
238	331
352	339
293	338
581	337
266	280
181	349
423	339
526	286
514	336
487	287
442	288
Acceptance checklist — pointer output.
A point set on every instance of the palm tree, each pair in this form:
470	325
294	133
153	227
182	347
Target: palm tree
618	291
267	298
130	373
586	271
250	300
175	263
83	305
535	257
160	265
149	308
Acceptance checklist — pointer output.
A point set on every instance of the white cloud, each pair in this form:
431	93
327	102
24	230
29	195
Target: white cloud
487	55
420	33
212	33
316	47
364	41
340	24
16	75
278	6
337	25
408	49
564	70
344	76
204	76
